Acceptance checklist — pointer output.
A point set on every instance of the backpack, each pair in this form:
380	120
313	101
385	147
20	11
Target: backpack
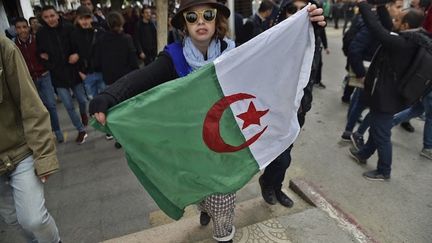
350	34
417	80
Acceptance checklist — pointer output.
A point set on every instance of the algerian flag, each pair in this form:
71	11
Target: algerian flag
213	130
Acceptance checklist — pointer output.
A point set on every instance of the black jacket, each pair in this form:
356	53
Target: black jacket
145	38
389	64
160	71
253	27
56	42
362	48
115	56
85	41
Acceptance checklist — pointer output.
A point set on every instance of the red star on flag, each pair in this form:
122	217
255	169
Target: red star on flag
252	116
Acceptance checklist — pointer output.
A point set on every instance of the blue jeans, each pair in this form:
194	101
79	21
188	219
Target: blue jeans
46	93
94	84
355	109
67	101
379	139
415	111
363	127
22	202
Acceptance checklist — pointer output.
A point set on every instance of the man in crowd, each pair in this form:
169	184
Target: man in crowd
60	58
146	37
26	42
361	49
98	17
34	25
382	82
27	149
84	37
256	24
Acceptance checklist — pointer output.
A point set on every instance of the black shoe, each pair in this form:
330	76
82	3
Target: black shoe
374	175
320	85
346	136
204	219
268	193
407	126
228	241
284	199
357	140
345	101
354	154
117	145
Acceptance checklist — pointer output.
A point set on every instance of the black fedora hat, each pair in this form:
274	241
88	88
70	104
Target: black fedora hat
177	22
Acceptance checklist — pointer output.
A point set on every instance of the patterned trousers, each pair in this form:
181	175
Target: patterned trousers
220	207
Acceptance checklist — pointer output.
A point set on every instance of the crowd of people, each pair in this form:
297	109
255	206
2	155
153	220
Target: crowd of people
104	58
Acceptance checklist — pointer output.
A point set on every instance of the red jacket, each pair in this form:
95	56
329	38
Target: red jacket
28	50
428	21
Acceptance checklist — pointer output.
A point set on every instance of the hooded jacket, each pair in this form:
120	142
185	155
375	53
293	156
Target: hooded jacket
115	56
25	123
57	43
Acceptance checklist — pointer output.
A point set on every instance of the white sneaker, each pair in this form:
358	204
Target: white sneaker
109	136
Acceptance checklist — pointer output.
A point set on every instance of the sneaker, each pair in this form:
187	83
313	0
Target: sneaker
346	136
407	126
354	154
357	140
81	137
109	136
374	175
84	119
426	153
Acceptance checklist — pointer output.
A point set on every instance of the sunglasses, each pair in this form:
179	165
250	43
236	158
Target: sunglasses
208	15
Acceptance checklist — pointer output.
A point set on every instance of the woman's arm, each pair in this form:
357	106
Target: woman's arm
136	82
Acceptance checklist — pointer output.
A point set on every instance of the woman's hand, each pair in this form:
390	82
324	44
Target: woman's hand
99	106
316	15
100	117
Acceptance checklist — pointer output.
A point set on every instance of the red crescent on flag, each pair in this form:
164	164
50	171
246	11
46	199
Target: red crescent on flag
211	131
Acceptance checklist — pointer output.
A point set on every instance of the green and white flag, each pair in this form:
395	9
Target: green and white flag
213	130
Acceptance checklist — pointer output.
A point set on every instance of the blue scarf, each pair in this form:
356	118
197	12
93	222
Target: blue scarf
195	58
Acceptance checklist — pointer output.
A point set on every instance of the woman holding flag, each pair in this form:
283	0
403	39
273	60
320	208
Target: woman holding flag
205	25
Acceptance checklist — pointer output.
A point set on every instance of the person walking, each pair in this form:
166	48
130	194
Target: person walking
115	54
384	76
146	37
60	57
26	42
27	149
84	37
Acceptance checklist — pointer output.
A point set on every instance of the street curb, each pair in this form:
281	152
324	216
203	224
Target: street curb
311	194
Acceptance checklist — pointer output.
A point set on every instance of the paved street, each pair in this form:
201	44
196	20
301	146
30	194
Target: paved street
95	196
